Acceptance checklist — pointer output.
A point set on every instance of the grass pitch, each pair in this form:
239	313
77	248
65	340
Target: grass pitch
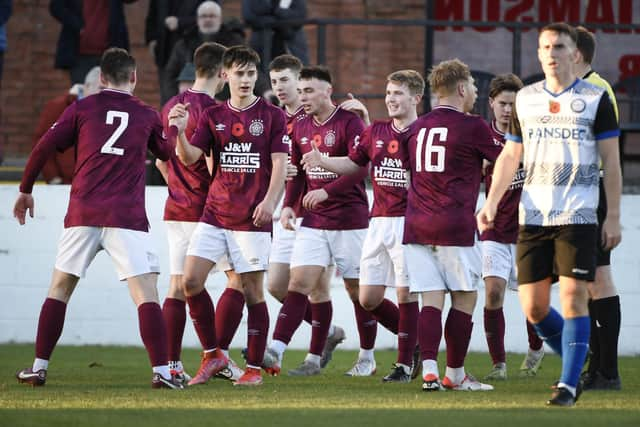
110	386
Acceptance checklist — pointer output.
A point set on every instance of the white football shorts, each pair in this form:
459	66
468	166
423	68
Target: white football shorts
282	244
499	260
314	246
382	261
443	268
131	251
179	234
247	251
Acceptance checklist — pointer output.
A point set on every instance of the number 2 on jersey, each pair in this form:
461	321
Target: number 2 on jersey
108	147
430	150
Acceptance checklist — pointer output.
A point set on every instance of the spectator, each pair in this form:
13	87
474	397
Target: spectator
86	34
187	77
59	168
166	23
5	13
260	15
210	28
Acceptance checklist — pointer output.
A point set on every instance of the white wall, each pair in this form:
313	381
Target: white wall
101	312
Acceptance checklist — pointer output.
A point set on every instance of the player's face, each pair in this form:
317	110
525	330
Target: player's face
557	53
314	95
398	100
241	79
284	84
470	95
502	106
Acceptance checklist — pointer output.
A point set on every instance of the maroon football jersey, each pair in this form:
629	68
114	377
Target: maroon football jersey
446	149
242	142
188	185
292	119
505	224
347	207
389	163
112	132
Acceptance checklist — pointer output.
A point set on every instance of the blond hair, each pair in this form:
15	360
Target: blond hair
411	78
444	77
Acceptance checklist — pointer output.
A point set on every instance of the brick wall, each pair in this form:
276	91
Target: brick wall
359	56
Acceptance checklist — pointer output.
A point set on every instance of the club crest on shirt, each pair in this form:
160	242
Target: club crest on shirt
330	139
578	105
554	107
256	128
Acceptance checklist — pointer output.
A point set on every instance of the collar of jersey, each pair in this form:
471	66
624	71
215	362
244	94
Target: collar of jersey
317	123
555	95
245	108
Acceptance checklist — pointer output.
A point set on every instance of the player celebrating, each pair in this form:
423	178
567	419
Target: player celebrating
111	132
560	124
188	187
446	150
498	244
382	262
333	226
284	72
249	143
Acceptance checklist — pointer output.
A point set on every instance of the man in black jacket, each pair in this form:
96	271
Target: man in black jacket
86	34
210	28
166	22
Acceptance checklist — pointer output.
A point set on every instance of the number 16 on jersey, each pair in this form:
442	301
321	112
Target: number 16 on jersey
431	152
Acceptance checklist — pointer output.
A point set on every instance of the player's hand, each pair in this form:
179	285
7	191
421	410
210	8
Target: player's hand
263	213
171	22
313	198
312	159
355	106
24	202
288	218
76	89
611	233
485	217
292	171
179	116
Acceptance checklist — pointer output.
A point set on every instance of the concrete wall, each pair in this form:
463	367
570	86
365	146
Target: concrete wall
101	311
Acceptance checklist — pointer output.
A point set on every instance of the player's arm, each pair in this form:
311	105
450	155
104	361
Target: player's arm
263	213
279	148
294	187
340	165
60	136
163	167
178	119
606	131
355	106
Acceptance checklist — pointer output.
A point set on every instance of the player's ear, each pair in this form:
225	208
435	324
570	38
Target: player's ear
133	77
103	80
329	90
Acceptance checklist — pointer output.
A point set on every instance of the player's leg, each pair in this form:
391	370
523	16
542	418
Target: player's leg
136	262
206	247
310	258
322	313
228	317
346	248
76	249
174	306
575	260
604	311
461	267
427	281
335	334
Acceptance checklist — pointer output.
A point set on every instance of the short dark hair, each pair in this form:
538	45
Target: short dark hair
316	72
117	65
504	83
286	62
561	28
240	55
586	44
208	59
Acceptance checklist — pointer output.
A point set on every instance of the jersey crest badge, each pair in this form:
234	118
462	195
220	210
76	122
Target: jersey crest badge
256	128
